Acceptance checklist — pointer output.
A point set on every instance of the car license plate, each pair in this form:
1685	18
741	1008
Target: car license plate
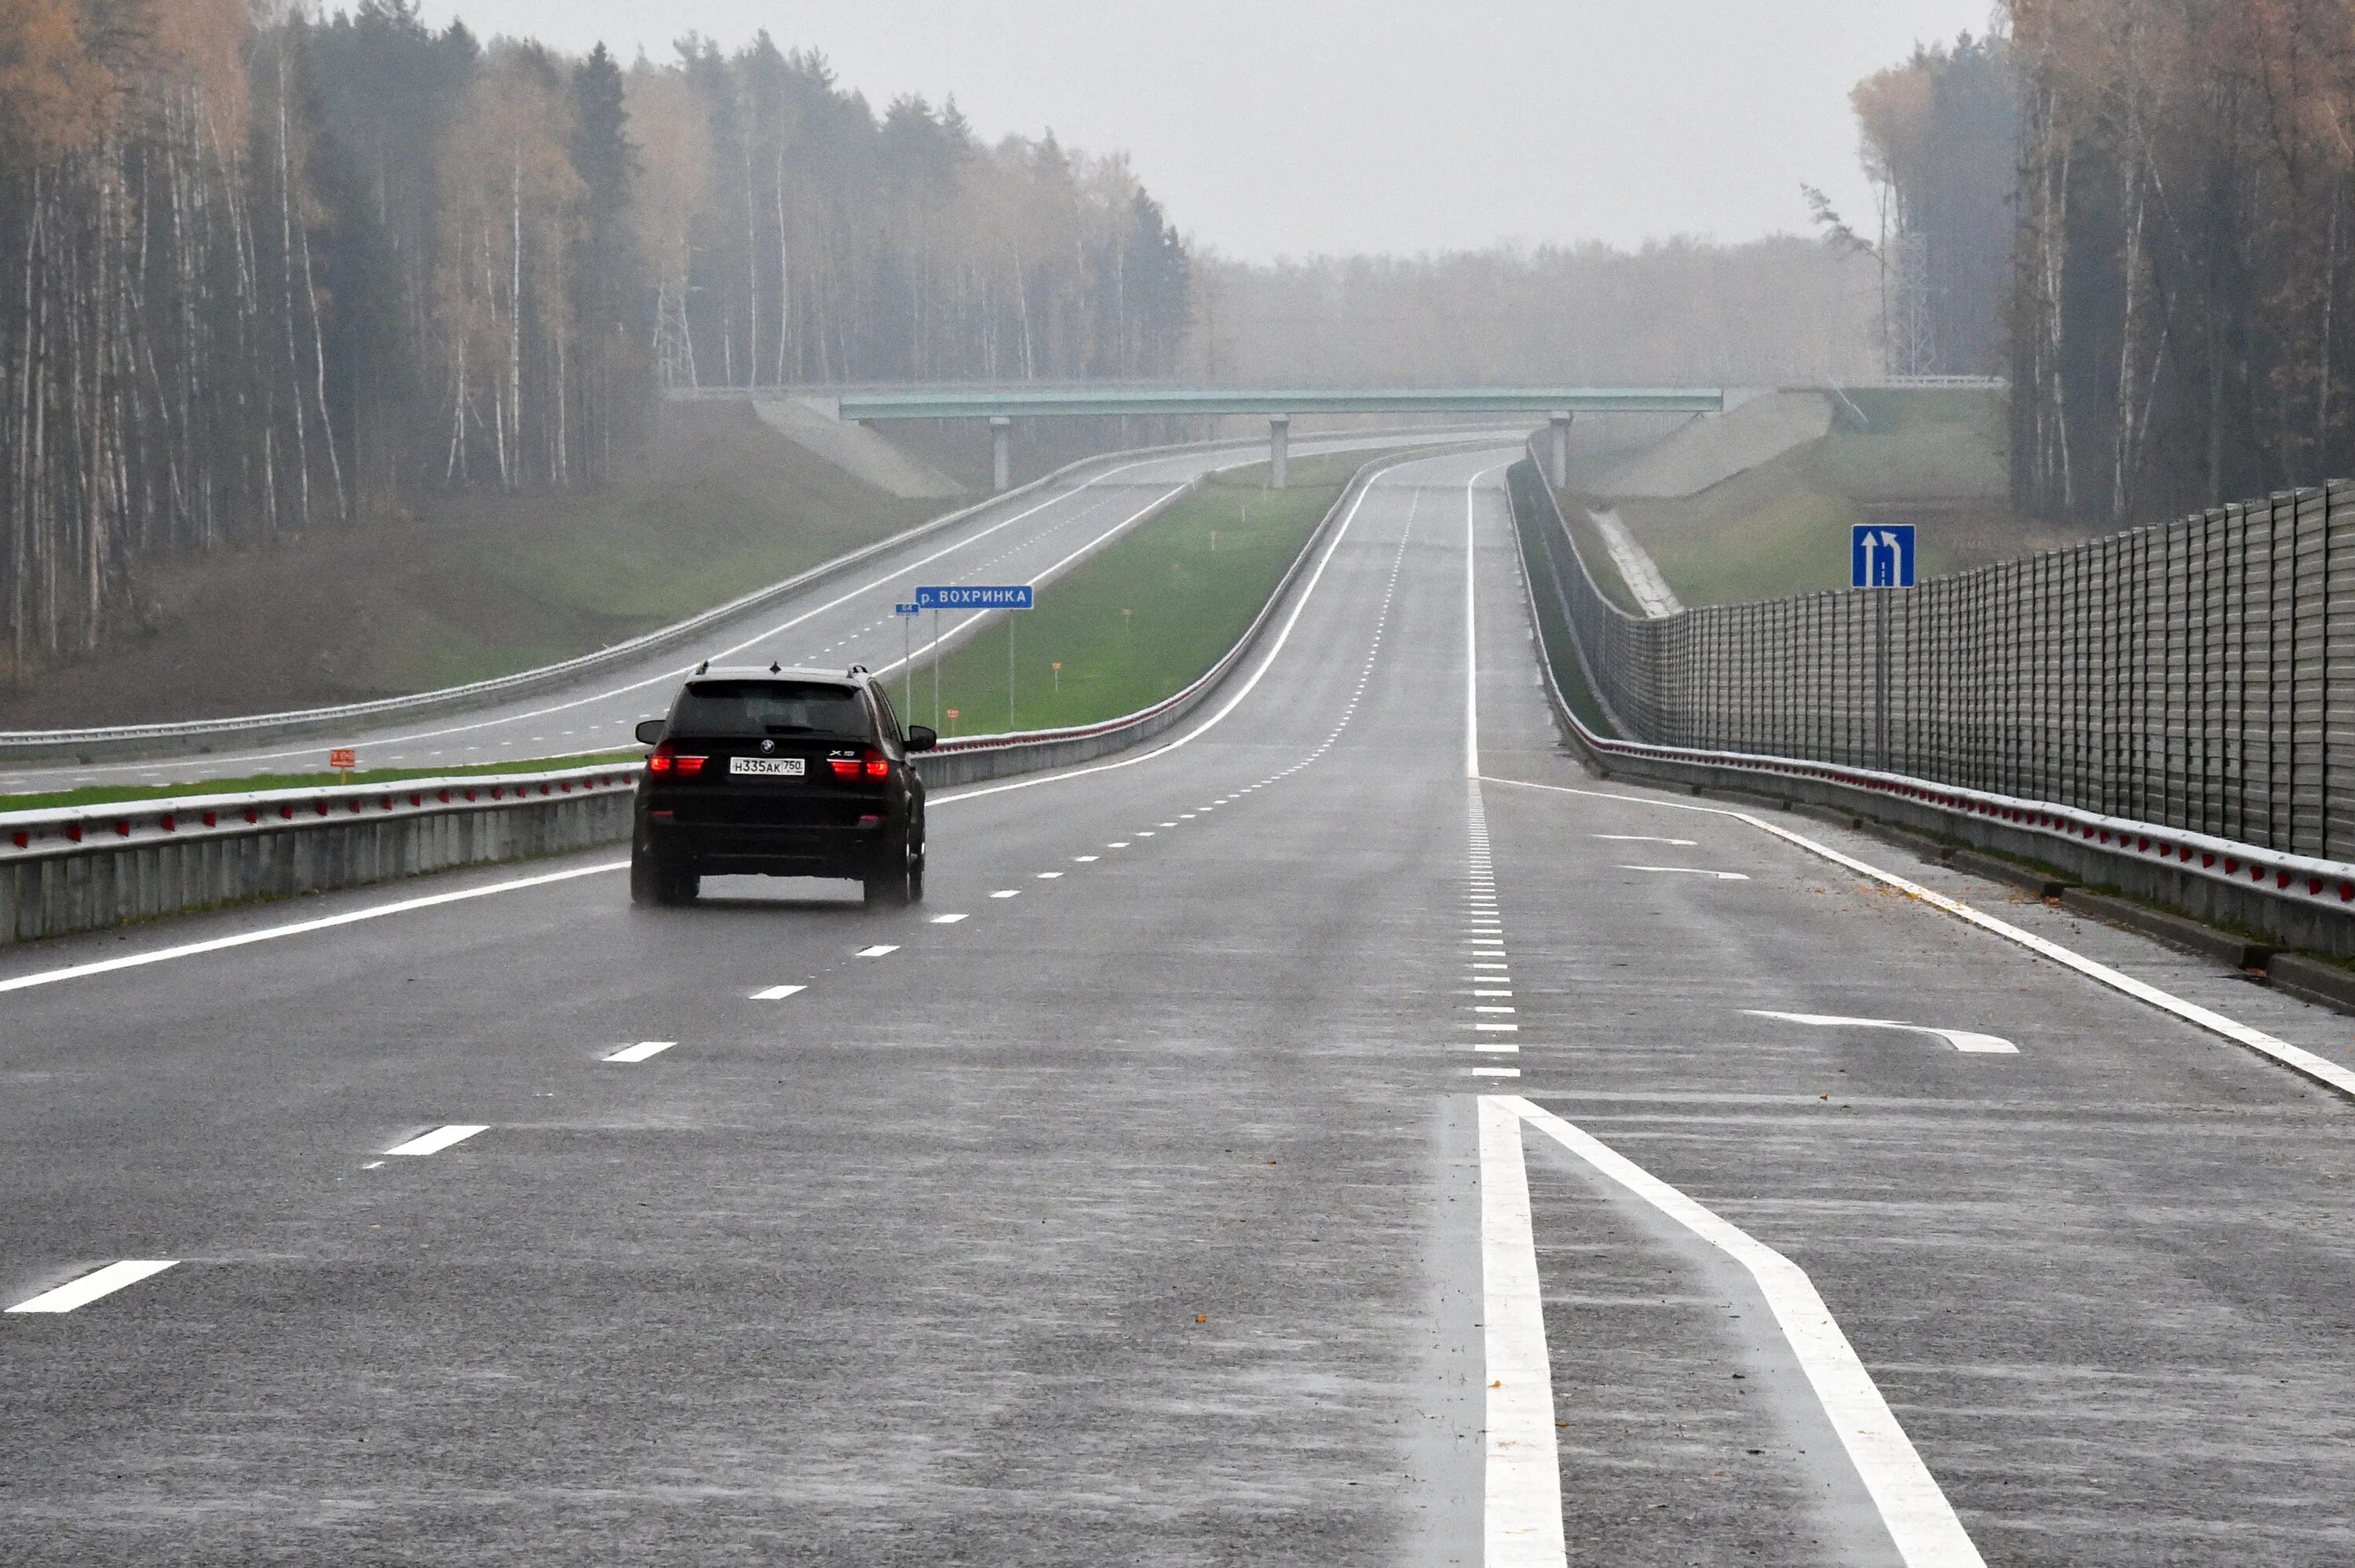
767	766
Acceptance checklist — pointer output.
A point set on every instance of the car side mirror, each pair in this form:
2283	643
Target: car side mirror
922	738
649	731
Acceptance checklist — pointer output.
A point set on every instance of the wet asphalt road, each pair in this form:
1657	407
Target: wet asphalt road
1134	1216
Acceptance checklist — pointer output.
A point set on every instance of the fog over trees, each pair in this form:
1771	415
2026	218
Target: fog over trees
268	273
267	268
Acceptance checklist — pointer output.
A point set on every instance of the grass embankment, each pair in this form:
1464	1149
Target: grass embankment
1931	457
1150	613
481	586
125	794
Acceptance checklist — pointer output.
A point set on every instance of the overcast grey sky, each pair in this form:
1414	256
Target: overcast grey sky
1293	127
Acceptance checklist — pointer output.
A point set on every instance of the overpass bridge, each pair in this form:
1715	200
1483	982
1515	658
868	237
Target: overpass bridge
1002	404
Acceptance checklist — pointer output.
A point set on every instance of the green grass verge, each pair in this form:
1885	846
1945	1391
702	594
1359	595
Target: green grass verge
1139	622
113	795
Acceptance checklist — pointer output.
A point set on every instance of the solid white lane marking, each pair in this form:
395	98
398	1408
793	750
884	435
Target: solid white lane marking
440	1139
1692	871
946	919
1642	839
91	1287
877	951
1960	1039
1919	1519
1276	649
778	993
2296	1059
641	1050
300	927
1522	1503
1007	893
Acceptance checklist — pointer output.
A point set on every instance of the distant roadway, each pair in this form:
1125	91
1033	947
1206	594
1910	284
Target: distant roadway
846	617
1352	1134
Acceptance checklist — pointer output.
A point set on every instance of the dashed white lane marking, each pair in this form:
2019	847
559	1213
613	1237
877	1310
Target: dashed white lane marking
91	1287
1085	859
877	951
1960	1039
2294	1057
1048	875
946	919
1921	1520
1494	1009
300	927
1499	1028
1495	1072
778	993
1489	992
1144	832
1007	893
1692	871
641	1050
440	1139
1642	839
1522	1506
373	1165
1122	843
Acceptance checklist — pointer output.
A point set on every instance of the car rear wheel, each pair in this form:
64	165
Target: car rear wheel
662	881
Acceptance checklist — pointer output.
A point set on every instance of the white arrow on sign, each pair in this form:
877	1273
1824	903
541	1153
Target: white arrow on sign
1960	1039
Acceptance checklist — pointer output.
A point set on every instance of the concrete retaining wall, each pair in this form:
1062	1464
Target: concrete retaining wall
98	885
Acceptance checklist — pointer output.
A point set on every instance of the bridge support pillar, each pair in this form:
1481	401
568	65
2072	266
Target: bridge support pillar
1560	420
1001	453
1279	444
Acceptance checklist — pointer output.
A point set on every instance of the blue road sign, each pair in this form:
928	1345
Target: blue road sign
1013	596
1881	555
907	609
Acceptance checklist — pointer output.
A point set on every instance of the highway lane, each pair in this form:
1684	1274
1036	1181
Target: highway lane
844	620
1139	1212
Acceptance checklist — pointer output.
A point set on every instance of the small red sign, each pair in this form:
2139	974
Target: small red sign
343	759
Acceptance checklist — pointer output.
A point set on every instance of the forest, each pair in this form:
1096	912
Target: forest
2178	318
265	270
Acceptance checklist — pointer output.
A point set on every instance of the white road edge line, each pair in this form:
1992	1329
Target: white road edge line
1522	1503
299	927
440	1139
641	1050
1921	1522
91	1287
1283	636
2296	1059
1960	1039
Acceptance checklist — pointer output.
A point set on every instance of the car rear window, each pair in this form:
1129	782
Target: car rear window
769	707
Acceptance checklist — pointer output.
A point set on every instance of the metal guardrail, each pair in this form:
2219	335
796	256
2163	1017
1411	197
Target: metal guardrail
2197	674
2308	898
56	830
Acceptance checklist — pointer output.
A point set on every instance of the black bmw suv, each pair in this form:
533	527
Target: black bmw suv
780	772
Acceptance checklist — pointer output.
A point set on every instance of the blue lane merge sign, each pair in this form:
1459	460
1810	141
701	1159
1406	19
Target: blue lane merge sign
907	609
1014	597
1881	555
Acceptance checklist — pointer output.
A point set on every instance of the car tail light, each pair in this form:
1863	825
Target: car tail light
870	763
665	758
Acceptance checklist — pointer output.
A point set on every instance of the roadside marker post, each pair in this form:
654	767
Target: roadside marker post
907	614
1006	597
343	759
1880	556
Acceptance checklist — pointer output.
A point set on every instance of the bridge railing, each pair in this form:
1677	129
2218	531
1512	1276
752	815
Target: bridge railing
2197	674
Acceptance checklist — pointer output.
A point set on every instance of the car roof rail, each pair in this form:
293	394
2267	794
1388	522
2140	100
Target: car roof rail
855	670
